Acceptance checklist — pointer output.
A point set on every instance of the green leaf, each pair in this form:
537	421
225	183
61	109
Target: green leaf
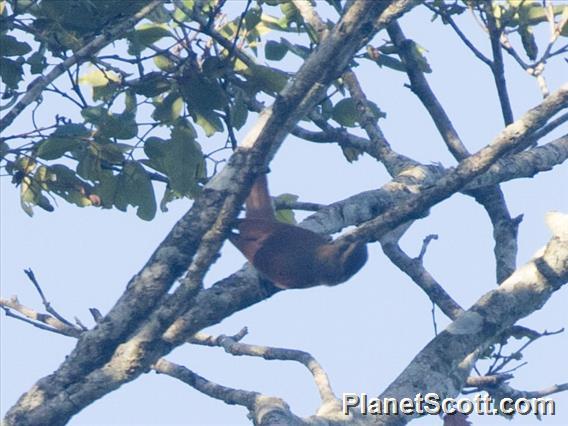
10	46
151	33
151	85
167	110
179	15
4	148
417	53
239	112
209	121
286	215
180	159
345	112
22	6
134	188
298	50
164	63
159	15
11	72
203	94
71	130
252	18
188	4
64	139
229	29
37	62
106	189
119	126
214	67
112	152
564	19
146	35
97	78
29	195
105	93
390	62
269	80
167	198
94	115
351	154
42	176
529	42
54	147
64	182
130	105
89	167
275	51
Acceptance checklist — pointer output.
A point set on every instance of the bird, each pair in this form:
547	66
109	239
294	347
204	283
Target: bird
288	255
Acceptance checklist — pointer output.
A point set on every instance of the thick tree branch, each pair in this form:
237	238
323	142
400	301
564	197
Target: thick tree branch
524	164
379	147
123	344
420	87
264	410
233	346
467	170
228	395
443	364
491	198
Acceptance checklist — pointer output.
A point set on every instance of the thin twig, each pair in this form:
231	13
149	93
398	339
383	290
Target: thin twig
39	320
36	87
229	395
499	368
425	244
9	313
498	66
234	347
420	87
460	34
31	276
415	270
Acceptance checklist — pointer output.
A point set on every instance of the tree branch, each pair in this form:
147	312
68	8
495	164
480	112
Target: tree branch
467	170
415	270
36	87
233	346
524	164
42	321
125	342
497	65
442	366
491	198
228	395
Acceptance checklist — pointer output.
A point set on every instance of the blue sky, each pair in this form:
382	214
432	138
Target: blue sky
363	332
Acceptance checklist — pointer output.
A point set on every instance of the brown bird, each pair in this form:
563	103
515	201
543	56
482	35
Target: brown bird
290	256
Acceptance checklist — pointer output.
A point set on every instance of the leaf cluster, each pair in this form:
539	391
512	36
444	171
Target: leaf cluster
162	104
